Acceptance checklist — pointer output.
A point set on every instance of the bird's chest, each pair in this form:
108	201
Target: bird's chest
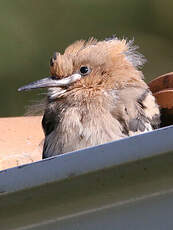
86	126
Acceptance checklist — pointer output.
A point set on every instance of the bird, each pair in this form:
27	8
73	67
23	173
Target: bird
96	94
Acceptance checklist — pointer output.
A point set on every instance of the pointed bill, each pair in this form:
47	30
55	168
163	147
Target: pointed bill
51	82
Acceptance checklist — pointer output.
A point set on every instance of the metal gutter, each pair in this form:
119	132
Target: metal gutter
87	160
126	184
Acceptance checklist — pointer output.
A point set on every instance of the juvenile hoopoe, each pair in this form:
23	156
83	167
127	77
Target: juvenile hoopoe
96	94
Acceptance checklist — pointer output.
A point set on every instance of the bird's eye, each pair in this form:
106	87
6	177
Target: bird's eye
84	70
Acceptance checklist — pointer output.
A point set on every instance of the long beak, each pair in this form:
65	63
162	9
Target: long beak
51	82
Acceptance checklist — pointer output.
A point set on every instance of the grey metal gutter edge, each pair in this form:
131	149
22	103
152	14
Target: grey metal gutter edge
87	160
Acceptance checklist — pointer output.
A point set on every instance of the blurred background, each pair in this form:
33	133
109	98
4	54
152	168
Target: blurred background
32	30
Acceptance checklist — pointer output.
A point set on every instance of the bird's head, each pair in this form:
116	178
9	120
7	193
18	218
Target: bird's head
92	65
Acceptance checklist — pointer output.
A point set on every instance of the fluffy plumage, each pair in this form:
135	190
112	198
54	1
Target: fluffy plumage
109	102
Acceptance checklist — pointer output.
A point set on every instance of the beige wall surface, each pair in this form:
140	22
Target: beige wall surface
21	141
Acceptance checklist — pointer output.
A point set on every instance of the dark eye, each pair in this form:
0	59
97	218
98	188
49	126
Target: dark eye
84	70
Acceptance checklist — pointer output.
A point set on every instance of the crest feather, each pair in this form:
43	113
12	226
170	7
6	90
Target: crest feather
133	56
